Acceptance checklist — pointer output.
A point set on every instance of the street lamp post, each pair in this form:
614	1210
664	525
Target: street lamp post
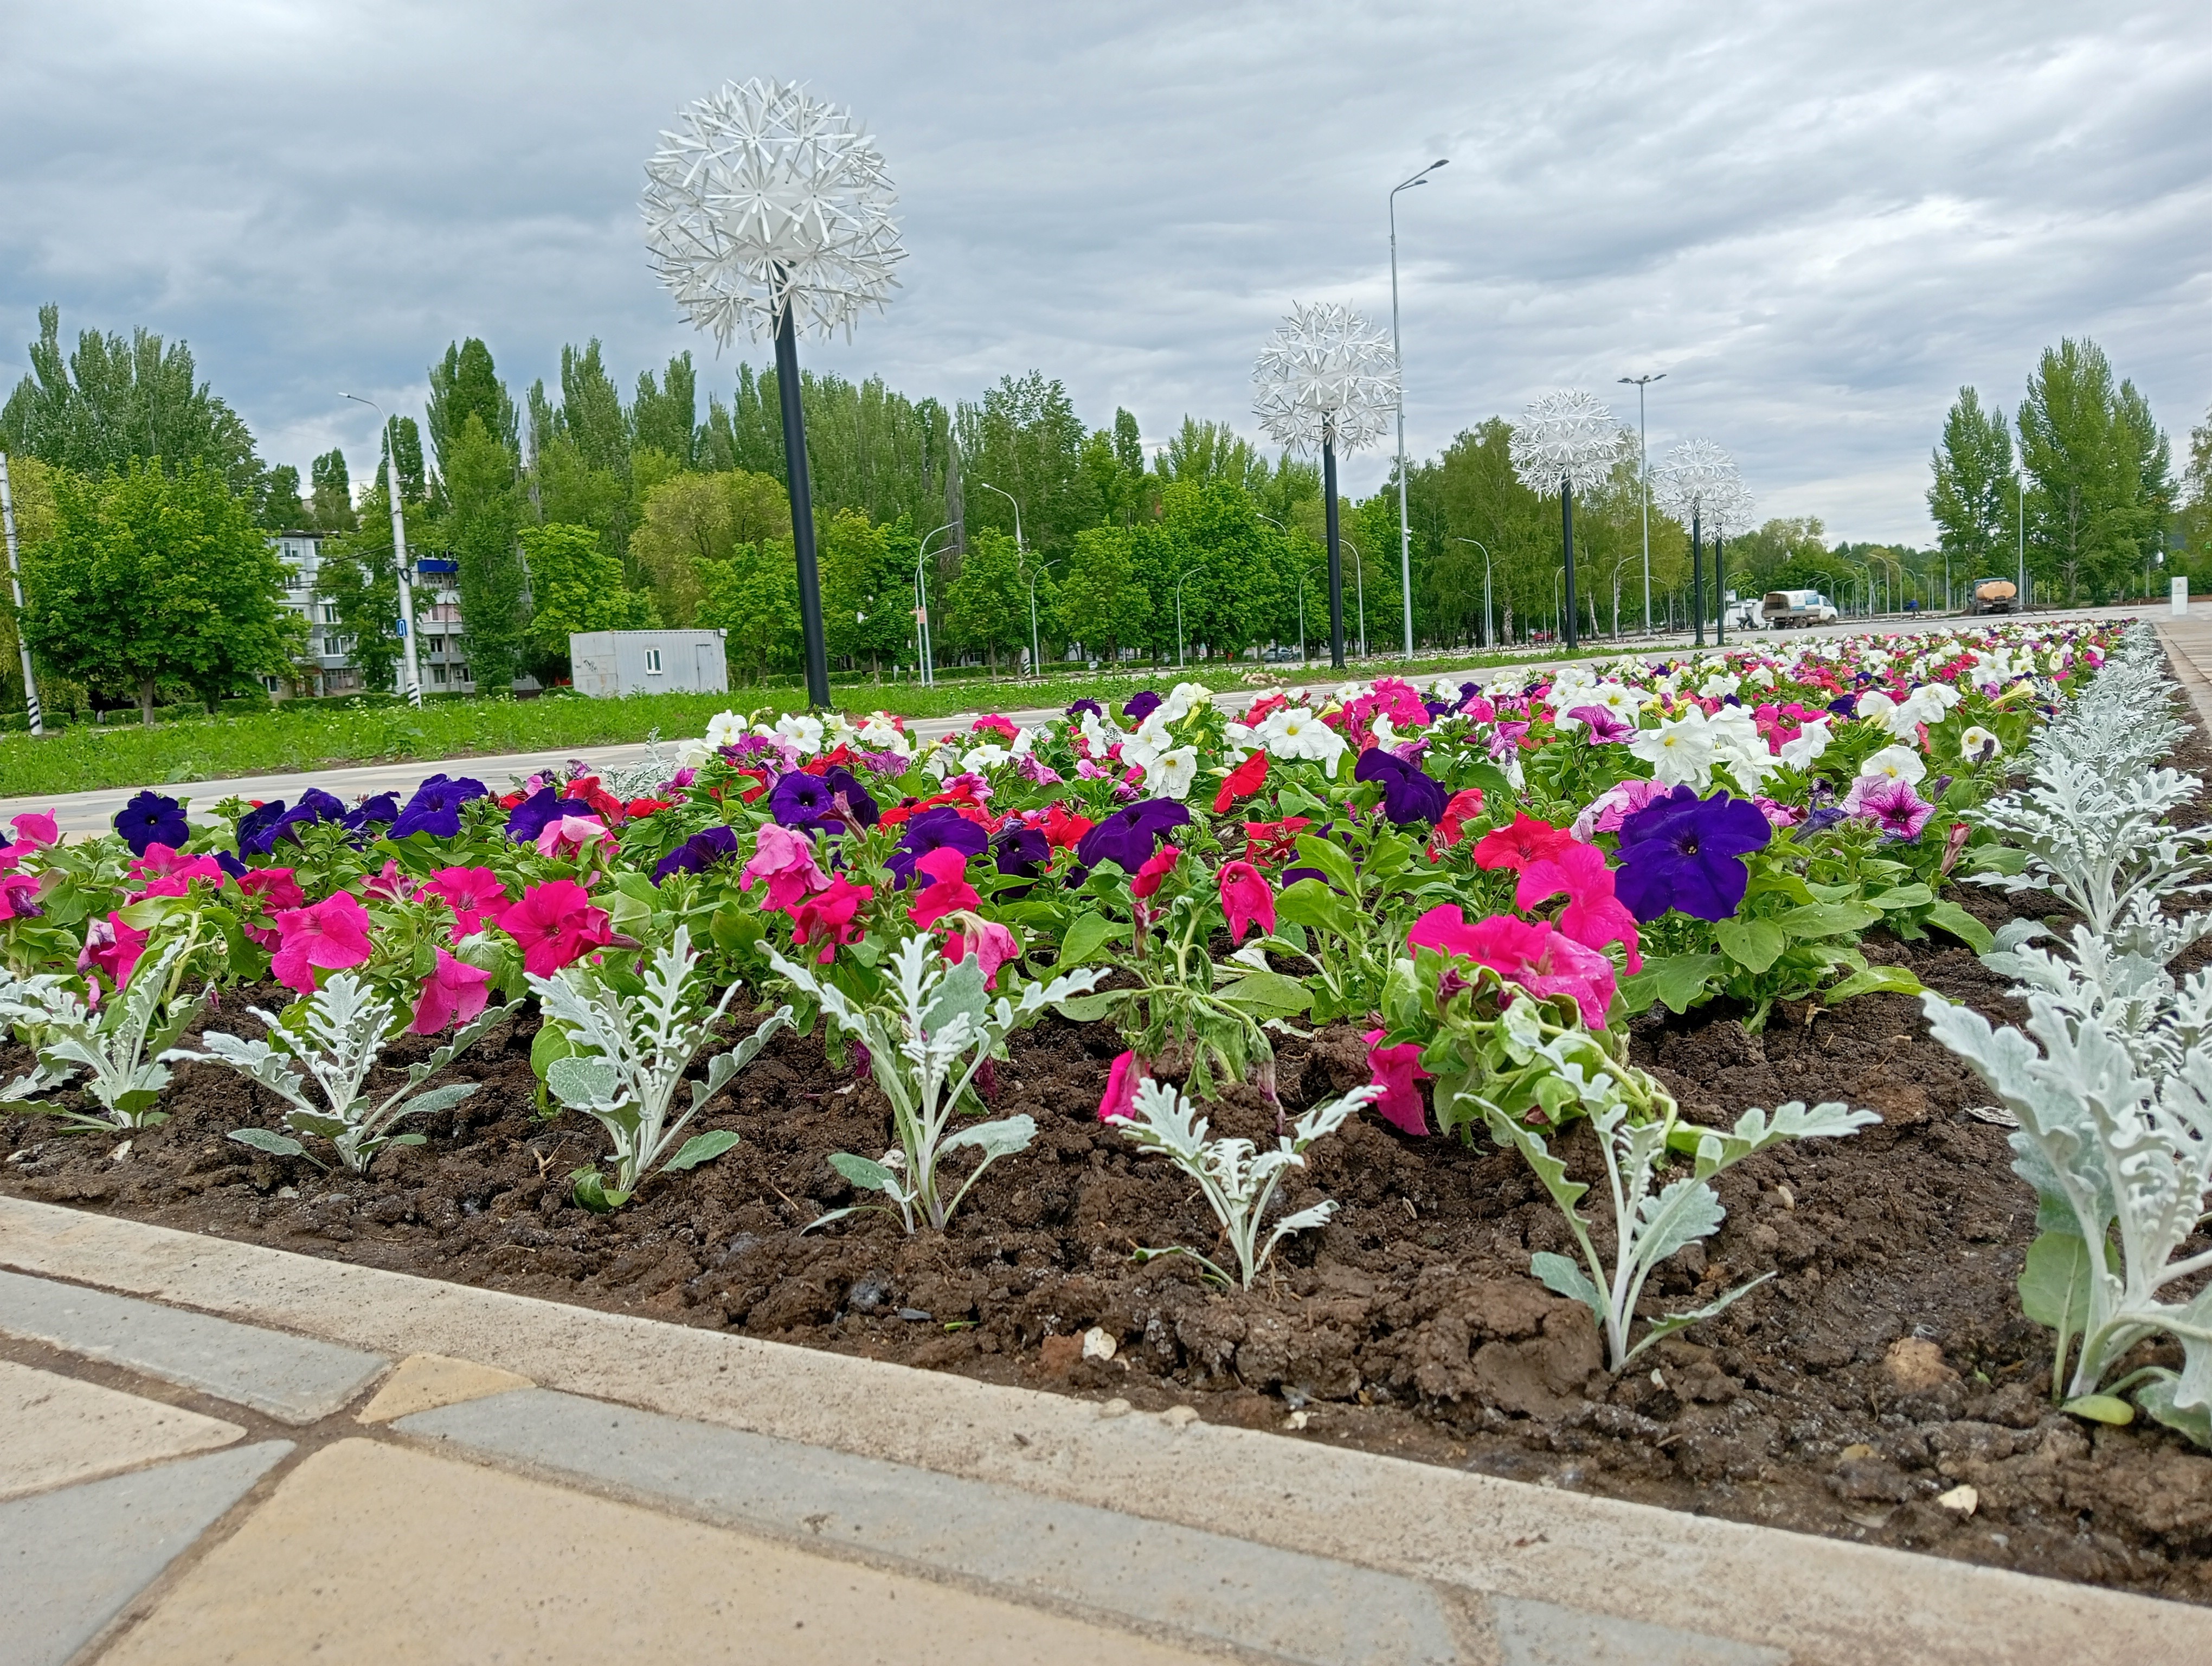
411	670
33	719
1036	658
1359	590
1643	491
921	608
1398	353
1489	637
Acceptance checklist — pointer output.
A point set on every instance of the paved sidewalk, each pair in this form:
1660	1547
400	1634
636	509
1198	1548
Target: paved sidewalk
223	1453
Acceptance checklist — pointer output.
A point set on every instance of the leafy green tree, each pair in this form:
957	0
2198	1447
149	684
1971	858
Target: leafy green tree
574	584
868	447
414	479
753	595
1971	498
281	508
695	518
332	501
664	417
148	576
112	403
465	383
356	579
479	528
1103	604
867	588
1025	439
2197	504
986	606
2098	468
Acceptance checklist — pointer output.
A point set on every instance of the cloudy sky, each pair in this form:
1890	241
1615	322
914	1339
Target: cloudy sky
1818	220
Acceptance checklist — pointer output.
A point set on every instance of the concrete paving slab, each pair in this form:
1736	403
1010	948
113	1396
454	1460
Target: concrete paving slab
293	1379
1545	1634
423	1381
71	1559
61	1431
1311	1609
1824	1602
369	1552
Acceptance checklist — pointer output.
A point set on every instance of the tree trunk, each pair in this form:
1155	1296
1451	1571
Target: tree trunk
146	700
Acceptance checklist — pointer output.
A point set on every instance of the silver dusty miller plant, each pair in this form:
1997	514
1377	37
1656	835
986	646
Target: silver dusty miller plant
1326	376
925	1041
1237	1180
1648	1225
631	1038
109	1045
331	1045
764	197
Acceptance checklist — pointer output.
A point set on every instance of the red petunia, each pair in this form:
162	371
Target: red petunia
1526	841
1246	779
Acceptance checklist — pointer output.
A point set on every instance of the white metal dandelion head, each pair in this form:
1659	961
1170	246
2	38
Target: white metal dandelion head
1326	372
1567	438
1698	479
762	196
1729	513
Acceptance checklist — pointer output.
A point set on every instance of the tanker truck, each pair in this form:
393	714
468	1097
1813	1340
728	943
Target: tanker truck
1993	596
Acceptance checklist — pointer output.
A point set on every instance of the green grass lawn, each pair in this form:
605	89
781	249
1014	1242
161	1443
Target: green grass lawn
308	735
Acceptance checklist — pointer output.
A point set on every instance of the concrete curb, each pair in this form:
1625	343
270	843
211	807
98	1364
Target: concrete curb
1818	1601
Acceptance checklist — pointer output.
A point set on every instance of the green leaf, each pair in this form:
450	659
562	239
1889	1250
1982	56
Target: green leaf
1333	859
701	1148
1475	772
1088	1009
1269	993
580	1082
2156	1397
2054	1283
1085	937
2101	1408
1904	897
1828	920
1875	980
1678	980
2007	859
1962	925
1754	945
868	1176
551	1043
591	1192
1310	903
1563	1278
276	1145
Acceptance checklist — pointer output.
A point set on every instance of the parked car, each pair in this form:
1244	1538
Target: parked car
1785	609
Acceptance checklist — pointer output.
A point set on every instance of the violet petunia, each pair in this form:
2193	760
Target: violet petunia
1408	794
703	850
1141	705
940	829
529	819
150	819
1126	838
1685	853
435	808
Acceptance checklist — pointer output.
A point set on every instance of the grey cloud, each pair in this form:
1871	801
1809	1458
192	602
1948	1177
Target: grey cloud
1818	220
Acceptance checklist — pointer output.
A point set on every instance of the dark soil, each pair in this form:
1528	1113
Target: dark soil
1885	1364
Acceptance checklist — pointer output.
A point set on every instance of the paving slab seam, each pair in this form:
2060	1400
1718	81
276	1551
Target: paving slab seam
1818	1600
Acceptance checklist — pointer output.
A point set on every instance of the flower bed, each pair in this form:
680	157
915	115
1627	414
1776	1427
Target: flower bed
1011	1004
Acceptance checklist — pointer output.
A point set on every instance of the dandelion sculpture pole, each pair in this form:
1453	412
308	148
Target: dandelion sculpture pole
770	212
1565	440
1697	474
1326	379
1729	511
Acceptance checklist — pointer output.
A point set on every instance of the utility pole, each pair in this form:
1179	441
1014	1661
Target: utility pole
33	715
1643	485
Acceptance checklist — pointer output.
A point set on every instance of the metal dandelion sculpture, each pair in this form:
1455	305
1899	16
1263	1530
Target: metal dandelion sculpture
1327	381
1698	478
1566	442
770	212
1728	514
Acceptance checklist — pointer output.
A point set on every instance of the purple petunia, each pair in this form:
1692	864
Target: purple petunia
256	829
851	800
701	851
934	829
535	813
151	819
1685	853
1408	795
382	809
798	800
1890	806
435	809
1086	704
1126	838
1139	706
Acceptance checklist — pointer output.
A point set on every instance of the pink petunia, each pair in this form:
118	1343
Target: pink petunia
1594	916
992	945
785	859
1541	960
37	829
1396	1070
1116	1104
830	917
948	890
570	835
1462	808
112	947
554	925
390	885
1156	869
1606	727
17	890
454	993
474	894
160	861
333	934
1605	812
1890	806
1247	900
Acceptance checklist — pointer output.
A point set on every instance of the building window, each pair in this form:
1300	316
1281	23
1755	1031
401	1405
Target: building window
653	662
437	674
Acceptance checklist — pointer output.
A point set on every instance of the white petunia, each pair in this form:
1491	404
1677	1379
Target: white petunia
1293	731
725	729
1894	763
802	731
1171	773
1979	745
976	759
1096	735
1720	686
1812	740
1679	751
1739	748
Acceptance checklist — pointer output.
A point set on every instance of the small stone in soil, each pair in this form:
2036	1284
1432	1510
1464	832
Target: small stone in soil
914	1313
1179	1417
1098	1344
1115	1409
868	1294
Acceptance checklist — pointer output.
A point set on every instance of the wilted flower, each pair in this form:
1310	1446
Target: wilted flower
703	850
1154	872
829	916
1977	745
1542	961
1121	1083
112	947
1246	899
37	829
1396	1070
991	943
